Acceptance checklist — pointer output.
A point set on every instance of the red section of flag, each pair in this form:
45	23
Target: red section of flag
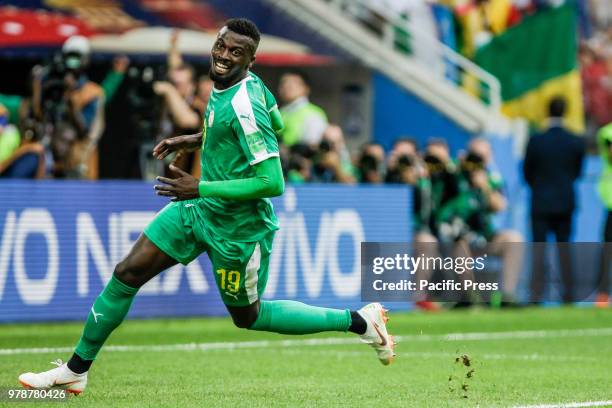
293	59
31	28
185	13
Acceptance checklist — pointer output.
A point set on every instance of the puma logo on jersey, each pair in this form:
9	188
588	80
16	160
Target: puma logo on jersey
247	117
211	118
232	295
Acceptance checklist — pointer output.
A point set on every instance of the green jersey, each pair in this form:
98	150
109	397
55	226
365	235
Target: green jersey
239	132
470	205
604	138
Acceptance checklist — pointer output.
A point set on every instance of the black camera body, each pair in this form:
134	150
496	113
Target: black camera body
54	82
405	161
53	87
144	105
369	162
473	161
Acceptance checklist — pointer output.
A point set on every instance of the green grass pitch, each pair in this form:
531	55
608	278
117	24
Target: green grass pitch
542	356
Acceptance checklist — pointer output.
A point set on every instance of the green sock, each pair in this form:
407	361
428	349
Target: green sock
290	317
110	308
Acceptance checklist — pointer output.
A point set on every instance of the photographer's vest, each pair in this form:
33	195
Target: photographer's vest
9	141
294	120
605	181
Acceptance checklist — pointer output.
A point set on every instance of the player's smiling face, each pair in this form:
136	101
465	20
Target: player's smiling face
231	57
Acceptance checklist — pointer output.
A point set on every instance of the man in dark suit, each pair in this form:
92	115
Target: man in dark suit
553	162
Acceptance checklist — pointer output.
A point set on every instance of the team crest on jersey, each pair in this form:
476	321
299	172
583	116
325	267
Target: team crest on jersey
211	118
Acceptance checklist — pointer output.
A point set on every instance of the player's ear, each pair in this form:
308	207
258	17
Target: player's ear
252	62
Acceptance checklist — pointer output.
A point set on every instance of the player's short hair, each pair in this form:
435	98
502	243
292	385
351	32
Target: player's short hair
557	107
244	27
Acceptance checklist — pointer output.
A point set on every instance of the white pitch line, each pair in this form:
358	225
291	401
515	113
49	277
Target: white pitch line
571	405
529	334
442	354
535	334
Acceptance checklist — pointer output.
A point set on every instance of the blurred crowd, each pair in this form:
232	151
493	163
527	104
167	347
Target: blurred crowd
467	25
480	20
595	58
54	133
57	132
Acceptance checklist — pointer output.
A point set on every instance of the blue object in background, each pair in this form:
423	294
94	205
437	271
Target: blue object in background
25	167
399	113
60	240
446	34
271	20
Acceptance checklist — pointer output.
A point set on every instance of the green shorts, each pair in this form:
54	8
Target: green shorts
240	268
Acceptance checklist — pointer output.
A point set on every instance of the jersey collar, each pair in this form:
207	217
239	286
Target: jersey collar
245	79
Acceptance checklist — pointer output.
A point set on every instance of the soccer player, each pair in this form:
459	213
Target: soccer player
226	214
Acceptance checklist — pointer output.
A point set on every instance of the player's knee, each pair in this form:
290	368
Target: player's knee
127	274
245	319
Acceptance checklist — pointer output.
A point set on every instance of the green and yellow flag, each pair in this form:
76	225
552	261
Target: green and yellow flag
535	61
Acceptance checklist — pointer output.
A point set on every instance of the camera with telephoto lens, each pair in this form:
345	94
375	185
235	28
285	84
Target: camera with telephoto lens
54	84
325	146
397	172
473	161
144	105
368	163
405	161
434	164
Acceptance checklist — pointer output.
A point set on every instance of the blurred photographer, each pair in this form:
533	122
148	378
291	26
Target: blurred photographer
114	78
371	164
304	121
202	95
436	184
468	216
332	161
181	113
142	115
403	163
604	142
21	155
71	109
178	94
299	167
9	135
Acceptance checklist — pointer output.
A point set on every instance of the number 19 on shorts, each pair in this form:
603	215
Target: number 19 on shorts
229	280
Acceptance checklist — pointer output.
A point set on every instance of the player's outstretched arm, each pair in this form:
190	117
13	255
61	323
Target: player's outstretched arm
189	143
268	182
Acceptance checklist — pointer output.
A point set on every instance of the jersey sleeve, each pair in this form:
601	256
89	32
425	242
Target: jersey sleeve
272	107
252	123
496	181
